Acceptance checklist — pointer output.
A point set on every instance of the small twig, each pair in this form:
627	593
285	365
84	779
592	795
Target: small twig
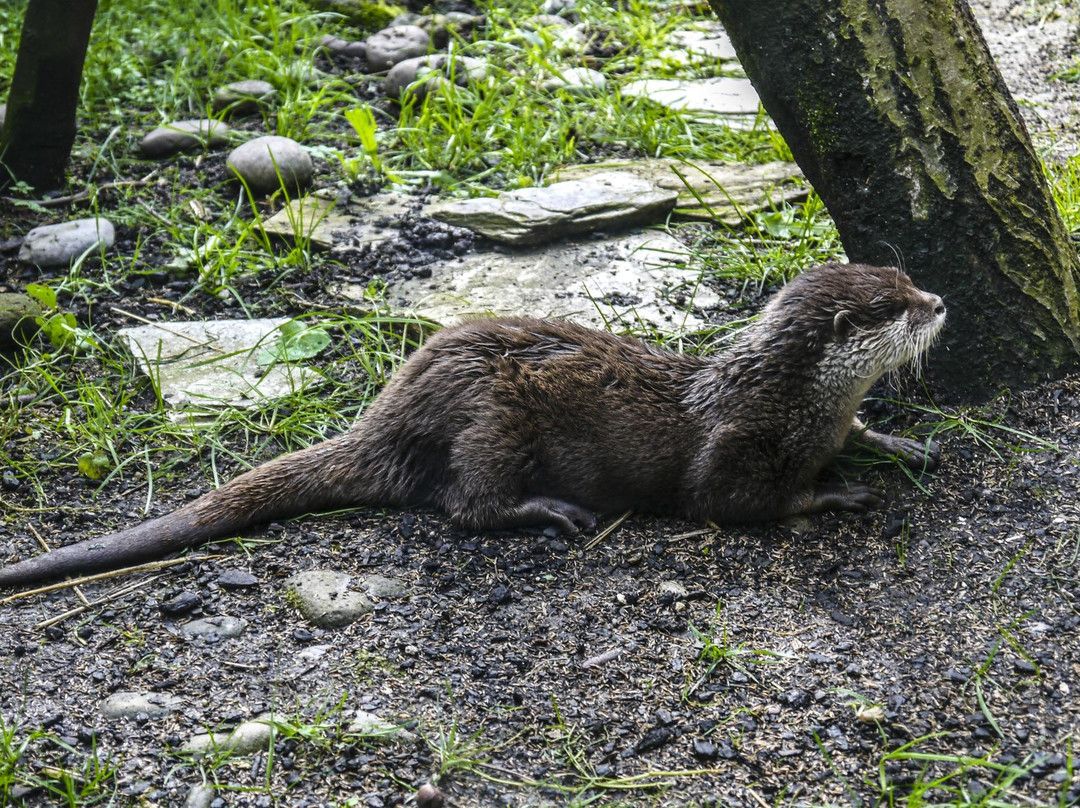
757	798
607	531
155	214
114	595
704	531
167	330
101	576
604	658
84	194
171	304
45	546
238	665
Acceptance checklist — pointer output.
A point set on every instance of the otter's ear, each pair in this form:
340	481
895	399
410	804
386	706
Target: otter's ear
841	323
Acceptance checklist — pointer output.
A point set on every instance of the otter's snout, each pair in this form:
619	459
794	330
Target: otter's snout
936	304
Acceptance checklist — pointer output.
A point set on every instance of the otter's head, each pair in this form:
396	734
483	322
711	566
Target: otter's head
866	320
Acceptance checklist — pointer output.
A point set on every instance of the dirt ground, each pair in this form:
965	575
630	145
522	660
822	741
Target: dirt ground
925	651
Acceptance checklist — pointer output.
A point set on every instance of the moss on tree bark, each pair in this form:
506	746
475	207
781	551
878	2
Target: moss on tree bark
899	117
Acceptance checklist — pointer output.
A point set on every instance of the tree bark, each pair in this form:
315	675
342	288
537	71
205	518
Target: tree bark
40	126
896	113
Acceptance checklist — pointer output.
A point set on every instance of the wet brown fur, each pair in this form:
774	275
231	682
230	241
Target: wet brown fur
514	421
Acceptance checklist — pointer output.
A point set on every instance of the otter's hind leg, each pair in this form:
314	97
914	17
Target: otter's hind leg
491	476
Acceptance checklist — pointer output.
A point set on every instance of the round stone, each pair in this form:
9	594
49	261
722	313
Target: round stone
179	136
345	48
243	97
424	73
394	45
577	81
55	245
268	163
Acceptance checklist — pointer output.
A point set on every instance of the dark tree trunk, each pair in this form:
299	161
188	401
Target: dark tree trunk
897	114
40	125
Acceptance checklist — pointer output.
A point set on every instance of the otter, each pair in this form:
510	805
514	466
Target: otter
510	422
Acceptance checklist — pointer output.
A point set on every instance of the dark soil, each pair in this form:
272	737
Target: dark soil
957	610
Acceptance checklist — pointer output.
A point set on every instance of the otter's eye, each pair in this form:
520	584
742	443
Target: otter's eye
897	309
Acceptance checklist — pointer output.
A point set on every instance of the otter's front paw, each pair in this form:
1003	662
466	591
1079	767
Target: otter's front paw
853	497
919	455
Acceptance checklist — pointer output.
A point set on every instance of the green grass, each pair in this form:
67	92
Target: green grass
40	766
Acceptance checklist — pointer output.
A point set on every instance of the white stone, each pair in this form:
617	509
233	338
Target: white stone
202	366
576	80
59	244
734	101
707	38
268	163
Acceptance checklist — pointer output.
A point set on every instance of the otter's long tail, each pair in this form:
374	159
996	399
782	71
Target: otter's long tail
324	476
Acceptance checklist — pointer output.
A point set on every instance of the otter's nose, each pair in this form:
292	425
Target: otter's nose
938	305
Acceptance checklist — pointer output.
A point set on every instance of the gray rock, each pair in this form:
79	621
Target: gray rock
180	136
556	33
376	728
346	48
390	46
381	588
632	281
577	81
564	8
728	192
17	323
268	163
540	21
3	115
424	73
536	215
130	703
59	244
243	97
325	599
441	26
199	796
247	739
220	626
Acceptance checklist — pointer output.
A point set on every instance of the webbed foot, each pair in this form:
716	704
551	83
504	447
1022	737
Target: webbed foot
919	455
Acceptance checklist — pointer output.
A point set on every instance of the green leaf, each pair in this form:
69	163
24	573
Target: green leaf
42	294
295	343
94	465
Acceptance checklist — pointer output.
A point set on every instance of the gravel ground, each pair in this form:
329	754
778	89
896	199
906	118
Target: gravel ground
834	661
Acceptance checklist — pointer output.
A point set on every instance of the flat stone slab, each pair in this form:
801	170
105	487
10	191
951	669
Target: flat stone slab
632	280
706	39
734	101
202	366
613	199
729	192
325	224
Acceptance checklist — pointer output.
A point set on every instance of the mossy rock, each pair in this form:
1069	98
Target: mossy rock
17	324
370	16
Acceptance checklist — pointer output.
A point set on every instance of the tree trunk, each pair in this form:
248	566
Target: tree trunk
40	124
896	113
